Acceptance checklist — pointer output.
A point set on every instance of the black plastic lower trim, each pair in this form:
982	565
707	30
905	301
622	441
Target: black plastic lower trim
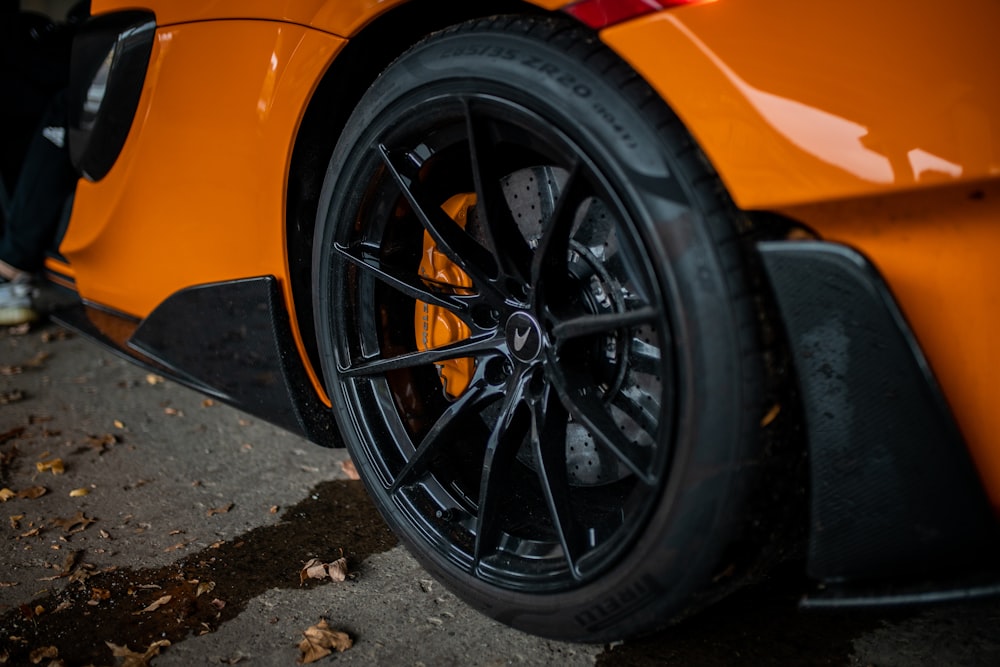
960	587
233	341
894	494
108	329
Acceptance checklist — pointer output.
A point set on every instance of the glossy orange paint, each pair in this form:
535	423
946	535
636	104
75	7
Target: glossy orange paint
339	17
800	102
877	125
938	250
208	187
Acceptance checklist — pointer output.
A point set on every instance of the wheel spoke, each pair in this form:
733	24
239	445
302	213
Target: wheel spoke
586	325
591	413
548	442
496	480
451	239
644	358
410	285
647	420
501	229
475	398
550	266
469	347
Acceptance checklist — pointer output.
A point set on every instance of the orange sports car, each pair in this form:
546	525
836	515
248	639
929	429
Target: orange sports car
615	303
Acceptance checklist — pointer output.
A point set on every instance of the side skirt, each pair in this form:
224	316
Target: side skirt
230	340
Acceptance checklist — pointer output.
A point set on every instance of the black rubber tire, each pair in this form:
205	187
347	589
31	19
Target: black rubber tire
570	94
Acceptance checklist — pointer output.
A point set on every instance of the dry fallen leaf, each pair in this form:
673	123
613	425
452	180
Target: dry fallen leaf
204	587
101	442
119	423
6	494
152	378
320	641
37	360
771	415
132	659
70	561
43	653
12	396
348	469
32	492
66	569
58	334
156	605
219	510
11	433
314	569
76	493
74	524
55	466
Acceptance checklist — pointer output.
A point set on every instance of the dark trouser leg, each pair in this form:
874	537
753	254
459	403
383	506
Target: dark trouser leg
46	180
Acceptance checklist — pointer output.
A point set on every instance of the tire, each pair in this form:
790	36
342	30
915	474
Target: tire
537	330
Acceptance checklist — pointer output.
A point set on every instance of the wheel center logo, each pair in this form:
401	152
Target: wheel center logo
520	338
524	336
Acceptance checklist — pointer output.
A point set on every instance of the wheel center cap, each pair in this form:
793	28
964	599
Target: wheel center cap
524	336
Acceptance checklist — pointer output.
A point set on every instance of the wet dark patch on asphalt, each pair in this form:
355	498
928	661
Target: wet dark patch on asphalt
761	626
337	518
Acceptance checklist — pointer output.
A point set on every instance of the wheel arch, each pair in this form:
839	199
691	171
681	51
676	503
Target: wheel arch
337	93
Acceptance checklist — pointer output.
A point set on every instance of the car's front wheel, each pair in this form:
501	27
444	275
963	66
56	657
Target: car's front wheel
537	330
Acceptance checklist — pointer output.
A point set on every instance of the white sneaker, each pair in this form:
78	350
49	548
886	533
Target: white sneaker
16	302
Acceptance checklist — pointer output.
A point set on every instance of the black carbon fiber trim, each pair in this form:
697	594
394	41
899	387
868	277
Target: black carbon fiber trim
233	340
894	493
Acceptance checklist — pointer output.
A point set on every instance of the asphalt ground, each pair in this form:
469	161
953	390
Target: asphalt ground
139	517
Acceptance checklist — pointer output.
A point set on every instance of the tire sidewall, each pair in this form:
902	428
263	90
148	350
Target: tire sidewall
687	533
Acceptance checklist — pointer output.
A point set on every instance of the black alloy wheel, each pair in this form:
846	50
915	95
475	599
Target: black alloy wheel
536	331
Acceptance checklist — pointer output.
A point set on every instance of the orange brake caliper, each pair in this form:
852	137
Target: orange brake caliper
436	326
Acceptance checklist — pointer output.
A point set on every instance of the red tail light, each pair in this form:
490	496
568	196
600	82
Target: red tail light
602	13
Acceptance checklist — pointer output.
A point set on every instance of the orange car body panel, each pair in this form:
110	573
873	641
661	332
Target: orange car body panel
208	188
340	17
837	118
875	124
939	251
